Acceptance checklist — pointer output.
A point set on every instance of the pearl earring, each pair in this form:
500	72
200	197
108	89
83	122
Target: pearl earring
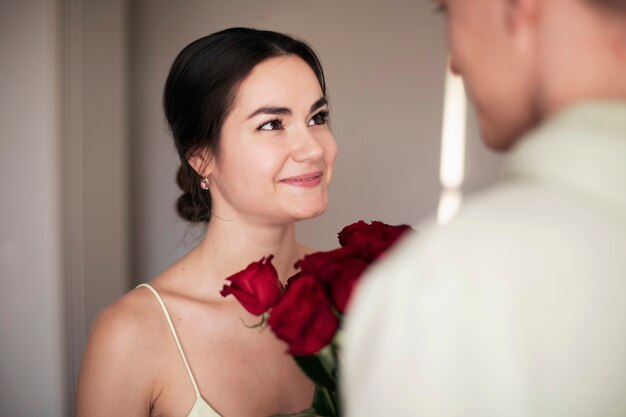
204	183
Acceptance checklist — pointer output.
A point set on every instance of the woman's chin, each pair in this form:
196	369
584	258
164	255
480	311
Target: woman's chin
310	213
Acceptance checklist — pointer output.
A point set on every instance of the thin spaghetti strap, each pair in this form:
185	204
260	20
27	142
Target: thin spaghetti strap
180	348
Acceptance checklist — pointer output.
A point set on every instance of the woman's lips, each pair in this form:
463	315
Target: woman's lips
306	180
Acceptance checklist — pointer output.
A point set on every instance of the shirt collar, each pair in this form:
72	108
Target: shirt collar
582	147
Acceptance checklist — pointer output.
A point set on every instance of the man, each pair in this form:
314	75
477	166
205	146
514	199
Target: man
518	307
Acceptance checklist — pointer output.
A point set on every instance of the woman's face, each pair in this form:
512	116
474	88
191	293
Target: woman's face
277	151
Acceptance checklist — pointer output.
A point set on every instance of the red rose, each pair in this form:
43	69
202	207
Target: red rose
257	287
341	279
303	317
337	271
371	239
312	263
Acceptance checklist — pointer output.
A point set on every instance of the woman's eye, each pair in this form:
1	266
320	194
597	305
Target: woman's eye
320	118
271	125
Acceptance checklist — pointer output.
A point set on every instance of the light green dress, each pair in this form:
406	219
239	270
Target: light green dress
200	408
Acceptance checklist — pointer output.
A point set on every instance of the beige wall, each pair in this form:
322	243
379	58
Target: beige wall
95	162
384	64
32	348
63	173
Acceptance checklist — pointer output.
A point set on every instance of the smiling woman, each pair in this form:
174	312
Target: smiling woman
249	117
274	141
200	92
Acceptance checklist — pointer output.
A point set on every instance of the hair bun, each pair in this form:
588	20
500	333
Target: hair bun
194	205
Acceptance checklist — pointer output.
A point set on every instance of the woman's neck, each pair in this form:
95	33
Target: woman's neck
231	245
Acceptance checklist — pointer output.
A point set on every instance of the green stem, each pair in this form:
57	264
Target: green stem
325	402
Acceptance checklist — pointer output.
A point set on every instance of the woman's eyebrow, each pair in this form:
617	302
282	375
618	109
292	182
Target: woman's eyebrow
270	110
319	103
285	110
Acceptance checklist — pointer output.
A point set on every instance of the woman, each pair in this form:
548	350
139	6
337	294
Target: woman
249	117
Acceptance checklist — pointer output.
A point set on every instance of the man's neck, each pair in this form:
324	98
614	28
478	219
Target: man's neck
583	56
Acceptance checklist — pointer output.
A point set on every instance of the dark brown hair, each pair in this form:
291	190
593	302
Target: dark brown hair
614	5
199	93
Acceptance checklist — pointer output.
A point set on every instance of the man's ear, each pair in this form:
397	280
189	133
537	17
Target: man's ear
520	14
619	40
202	162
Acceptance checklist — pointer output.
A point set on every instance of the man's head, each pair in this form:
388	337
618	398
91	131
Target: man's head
523	60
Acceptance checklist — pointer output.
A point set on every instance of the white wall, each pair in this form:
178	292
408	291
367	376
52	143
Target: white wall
384	63
32	349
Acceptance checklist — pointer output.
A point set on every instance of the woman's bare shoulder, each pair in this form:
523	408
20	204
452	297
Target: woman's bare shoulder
126	330
128	318
116	363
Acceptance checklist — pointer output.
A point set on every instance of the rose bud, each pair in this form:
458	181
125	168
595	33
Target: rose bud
314	262
257	287
303	317
340	279
371	239
337	271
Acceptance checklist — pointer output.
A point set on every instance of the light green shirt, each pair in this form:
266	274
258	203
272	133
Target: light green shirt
517	307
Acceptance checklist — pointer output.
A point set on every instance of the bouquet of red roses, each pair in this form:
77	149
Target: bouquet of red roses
307	312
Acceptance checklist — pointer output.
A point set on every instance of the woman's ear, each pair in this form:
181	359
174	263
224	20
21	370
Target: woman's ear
202	162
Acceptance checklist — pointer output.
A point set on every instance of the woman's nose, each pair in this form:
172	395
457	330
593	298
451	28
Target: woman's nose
307	147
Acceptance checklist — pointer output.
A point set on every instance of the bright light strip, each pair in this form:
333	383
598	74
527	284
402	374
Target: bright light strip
449	204
453	136
452	166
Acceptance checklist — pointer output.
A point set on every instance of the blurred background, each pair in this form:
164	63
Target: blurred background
87	167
